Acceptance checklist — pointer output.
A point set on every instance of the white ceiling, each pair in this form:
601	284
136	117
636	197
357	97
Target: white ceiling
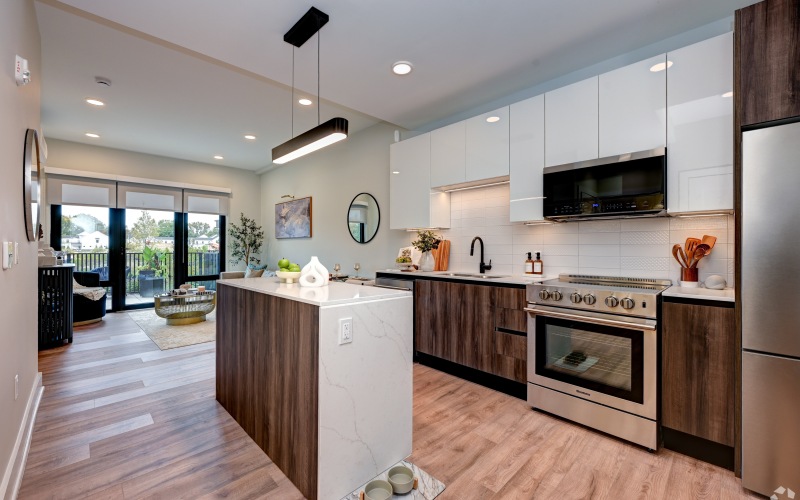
191	77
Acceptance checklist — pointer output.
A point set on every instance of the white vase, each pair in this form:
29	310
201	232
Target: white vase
314	274
427	262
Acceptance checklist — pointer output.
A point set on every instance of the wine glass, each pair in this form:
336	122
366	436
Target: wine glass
357	267
336	269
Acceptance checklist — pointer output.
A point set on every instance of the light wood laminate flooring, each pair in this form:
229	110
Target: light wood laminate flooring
121	419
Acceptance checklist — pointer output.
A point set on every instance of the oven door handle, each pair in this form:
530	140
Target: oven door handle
594	320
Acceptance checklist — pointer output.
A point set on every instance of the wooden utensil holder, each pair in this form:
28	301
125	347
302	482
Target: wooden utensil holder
689	274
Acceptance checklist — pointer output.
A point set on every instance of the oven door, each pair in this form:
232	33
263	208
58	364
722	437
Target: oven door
604	358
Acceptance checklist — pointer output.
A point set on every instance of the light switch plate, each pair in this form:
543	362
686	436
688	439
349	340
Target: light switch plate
8	254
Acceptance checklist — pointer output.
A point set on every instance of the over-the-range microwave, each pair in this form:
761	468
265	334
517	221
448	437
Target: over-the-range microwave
629	185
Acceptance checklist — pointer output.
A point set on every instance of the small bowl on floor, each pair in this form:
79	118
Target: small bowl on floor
378	490
401	478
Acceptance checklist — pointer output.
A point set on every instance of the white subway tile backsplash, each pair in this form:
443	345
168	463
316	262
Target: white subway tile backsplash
599	238
629	247
645	237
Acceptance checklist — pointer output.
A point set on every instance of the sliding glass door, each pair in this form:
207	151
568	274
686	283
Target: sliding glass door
204	251
149	255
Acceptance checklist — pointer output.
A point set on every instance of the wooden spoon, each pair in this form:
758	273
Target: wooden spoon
701	251
709	240
691	244
675	249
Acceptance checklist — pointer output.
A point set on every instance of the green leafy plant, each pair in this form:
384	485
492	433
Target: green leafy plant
246	240
426	241
153	260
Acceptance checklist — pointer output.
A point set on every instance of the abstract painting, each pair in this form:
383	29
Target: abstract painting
293	219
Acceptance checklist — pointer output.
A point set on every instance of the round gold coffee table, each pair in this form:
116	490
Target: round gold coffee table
185	309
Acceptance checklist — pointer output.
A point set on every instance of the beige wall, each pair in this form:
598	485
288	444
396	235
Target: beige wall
246	192
333	177
19	34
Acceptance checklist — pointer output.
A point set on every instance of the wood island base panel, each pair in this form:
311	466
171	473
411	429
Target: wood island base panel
331	416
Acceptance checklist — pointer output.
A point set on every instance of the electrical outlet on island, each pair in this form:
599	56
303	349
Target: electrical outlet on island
345	330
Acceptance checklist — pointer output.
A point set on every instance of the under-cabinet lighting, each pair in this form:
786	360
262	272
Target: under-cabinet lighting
476	187
540	223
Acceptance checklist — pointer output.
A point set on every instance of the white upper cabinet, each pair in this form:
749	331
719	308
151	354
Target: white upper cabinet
448	155
487	145
632	106
527	159
411	203
571	123
699	126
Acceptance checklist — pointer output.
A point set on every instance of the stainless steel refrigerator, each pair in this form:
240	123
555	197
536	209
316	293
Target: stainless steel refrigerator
770	293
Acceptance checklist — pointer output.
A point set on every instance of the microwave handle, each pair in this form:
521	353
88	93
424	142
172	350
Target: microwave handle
593	320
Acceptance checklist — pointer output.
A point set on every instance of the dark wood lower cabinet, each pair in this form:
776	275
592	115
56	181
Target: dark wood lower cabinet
478	326
698	370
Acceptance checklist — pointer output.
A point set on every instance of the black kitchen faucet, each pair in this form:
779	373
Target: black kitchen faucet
484	267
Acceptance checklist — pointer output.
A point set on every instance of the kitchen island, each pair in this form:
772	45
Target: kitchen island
331	416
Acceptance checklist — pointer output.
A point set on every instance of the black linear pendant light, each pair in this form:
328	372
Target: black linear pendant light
325	134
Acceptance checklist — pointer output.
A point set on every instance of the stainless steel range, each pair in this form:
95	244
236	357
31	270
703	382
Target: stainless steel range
593	352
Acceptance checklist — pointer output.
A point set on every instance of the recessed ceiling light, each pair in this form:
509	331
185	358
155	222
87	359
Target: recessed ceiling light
218	157
93	136
395	172
402	68
250	137
660	66
95	102
305	102
728	94
493	119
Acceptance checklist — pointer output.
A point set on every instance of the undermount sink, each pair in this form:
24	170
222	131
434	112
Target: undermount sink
481	276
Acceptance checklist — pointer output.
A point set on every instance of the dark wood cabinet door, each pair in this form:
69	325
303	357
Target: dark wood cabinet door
768	61
454	321
698	370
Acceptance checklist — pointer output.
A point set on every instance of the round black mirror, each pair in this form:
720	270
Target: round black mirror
30	183
363	218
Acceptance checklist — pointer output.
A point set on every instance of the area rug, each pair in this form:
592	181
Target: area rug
171	336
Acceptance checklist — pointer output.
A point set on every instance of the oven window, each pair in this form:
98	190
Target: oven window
598	358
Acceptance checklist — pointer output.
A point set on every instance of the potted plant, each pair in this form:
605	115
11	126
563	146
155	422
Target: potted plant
246	240
152	272
426	241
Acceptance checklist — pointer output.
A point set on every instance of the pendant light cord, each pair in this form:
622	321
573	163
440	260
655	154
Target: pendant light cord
318	102
292	101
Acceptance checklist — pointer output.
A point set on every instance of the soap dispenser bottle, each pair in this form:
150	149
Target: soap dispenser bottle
538	265
529	264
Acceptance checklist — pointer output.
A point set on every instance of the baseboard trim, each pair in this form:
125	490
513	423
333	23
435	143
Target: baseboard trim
12	479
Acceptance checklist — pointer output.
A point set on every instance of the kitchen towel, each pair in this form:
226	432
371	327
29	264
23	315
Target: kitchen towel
442	256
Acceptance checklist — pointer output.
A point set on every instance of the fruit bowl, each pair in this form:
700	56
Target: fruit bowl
288	276
405	266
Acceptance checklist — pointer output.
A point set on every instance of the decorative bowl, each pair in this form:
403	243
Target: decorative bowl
378	490
288	276
405	266
401	478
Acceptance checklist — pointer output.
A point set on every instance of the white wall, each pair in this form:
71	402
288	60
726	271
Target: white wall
333	177
630	247
245	186
19	34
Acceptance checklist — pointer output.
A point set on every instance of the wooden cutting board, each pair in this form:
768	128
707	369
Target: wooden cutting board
442	256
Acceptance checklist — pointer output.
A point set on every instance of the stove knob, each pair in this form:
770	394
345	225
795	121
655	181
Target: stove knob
612	301
589	299
556	295
575	298
544	295
627	303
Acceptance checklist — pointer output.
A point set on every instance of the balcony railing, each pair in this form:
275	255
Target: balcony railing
200	264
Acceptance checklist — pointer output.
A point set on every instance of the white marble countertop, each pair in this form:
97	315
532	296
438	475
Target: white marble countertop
333	294
726	295
505	279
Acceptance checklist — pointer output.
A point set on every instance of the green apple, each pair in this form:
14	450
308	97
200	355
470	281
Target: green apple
283	263
294	268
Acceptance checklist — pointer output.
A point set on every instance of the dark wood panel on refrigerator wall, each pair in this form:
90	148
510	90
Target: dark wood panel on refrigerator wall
768	60
267	376
698	380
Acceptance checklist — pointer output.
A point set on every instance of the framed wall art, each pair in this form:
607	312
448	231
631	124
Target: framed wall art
293	219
